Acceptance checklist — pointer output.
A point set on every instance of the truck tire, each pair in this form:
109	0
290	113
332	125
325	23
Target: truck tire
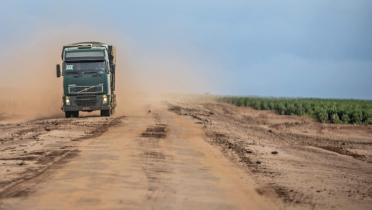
68	114
76	114
105	113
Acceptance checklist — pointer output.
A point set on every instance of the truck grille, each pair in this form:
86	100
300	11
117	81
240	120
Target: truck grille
86	101
95	89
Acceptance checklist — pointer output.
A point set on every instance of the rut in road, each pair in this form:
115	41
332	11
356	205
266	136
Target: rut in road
152	161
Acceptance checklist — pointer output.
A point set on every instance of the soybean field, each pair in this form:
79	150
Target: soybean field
346	111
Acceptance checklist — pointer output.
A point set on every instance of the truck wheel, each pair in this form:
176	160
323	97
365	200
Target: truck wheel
68	114
76	114
105	113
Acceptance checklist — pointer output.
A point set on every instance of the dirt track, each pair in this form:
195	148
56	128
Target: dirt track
185	156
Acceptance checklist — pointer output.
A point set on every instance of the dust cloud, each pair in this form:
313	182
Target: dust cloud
29	88
155	77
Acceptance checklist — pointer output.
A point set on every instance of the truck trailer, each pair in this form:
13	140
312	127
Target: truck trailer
88	70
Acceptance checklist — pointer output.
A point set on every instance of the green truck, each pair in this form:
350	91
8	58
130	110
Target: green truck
88	70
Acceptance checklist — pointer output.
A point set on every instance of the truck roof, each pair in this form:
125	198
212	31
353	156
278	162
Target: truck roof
91	45
82	45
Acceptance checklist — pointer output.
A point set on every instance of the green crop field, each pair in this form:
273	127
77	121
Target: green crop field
323	110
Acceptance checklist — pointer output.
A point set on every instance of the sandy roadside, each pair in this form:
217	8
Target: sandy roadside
307	164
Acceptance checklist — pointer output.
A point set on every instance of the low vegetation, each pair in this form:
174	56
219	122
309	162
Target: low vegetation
323	110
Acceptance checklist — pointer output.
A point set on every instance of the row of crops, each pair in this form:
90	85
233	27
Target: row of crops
323	110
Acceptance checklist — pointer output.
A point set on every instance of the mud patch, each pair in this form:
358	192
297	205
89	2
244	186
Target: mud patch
238	149
288	195
99	130
154	155
199	114
18	193
343	151
51	156
156	131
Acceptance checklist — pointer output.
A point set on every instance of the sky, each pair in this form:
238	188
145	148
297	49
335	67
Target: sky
281	48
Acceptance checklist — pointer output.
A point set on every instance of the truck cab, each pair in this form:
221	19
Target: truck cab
88	71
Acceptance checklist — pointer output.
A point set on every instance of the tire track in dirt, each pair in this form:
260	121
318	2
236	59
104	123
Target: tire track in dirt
28	149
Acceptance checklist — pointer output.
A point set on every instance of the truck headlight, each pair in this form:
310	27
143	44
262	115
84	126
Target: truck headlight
67	101
104	99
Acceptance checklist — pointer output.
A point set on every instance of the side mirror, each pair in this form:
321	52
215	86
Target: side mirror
58	70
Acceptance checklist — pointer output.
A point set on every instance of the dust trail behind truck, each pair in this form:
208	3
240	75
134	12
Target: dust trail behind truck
88	70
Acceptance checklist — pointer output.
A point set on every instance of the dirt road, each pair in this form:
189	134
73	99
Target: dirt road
156	160
185	155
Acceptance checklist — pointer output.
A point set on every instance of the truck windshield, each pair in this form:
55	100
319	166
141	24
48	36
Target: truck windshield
84	66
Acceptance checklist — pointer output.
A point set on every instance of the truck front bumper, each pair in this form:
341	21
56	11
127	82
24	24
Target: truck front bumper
85	103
